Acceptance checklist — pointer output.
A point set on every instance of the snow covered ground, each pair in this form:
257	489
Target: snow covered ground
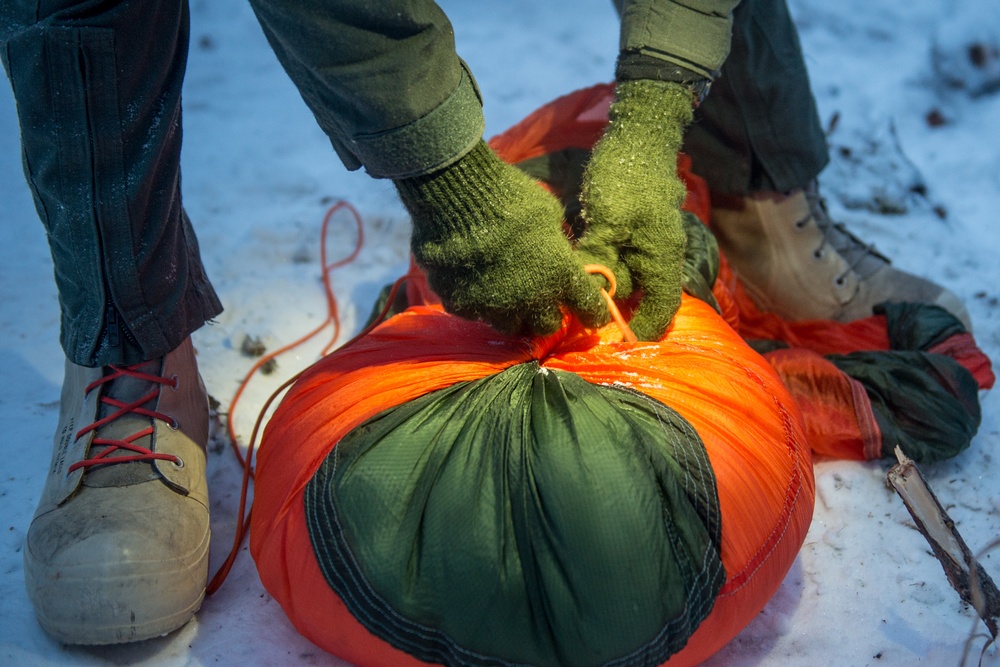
258	176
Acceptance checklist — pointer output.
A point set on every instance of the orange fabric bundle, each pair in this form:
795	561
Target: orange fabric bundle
749	424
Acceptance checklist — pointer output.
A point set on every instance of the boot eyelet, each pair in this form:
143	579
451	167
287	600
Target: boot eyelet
175	382
178	462
817	254
174	424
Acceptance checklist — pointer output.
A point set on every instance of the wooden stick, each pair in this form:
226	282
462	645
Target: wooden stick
964	572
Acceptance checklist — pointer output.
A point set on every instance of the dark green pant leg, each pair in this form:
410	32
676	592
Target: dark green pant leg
98	90
382	79
758	129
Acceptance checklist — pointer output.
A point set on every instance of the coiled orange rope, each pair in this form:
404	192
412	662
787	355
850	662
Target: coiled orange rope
332	318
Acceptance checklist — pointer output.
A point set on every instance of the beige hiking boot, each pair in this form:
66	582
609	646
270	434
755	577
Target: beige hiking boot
796	262
118	548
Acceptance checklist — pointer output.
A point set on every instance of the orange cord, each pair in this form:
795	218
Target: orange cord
332	317
608	295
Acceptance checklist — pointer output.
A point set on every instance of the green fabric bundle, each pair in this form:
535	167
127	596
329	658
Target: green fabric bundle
926	403
582	520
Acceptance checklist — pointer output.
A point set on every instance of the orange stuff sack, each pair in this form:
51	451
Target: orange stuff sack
740	413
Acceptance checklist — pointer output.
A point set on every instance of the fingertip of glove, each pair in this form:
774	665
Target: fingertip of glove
544	321
593	313
588	303
648	329
594	320
651	321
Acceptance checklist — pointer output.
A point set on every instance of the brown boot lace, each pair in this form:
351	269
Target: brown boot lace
861	257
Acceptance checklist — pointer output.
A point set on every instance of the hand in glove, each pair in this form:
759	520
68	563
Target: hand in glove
631	197
491	241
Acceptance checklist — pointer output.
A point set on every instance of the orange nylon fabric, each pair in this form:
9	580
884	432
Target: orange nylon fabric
840	413
750	425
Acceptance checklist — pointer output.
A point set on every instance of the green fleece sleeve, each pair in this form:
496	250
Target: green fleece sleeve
691	34
382	79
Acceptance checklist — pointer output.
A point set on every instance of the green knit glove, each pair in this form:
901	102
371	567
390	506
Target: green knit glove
491	241
631	198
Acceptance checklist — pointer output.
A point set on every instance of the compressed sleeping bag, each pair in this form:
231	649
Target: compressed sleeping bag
439	492
436	492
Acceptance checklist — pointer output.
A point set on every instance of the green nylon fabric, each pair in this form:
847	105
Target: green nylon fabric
701	260
529	517
917	326
926	403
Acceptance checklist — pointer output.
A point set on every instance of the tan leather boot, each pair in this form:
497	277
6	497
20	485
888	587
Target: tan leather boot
796	262
118	548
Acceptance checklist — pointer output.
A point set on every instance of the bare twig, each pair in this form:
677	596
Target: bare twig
964	572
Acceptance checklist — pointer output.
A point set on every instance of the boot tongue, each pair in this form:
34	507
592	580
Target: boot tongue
125	389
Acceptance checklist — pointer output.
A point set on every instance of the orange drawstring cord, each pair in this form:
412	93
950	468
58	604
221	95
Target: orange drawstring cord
608	295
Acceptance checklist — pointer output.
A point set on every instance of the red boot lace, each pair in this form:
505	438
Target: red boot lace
135	407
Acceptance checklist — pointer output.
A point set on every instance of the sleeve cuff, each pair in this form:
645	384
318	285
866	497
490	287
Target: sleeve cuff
637	66
428	144
693	36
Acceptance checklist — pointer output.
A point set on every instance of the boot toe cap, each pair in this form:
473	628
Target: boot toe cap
104	569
